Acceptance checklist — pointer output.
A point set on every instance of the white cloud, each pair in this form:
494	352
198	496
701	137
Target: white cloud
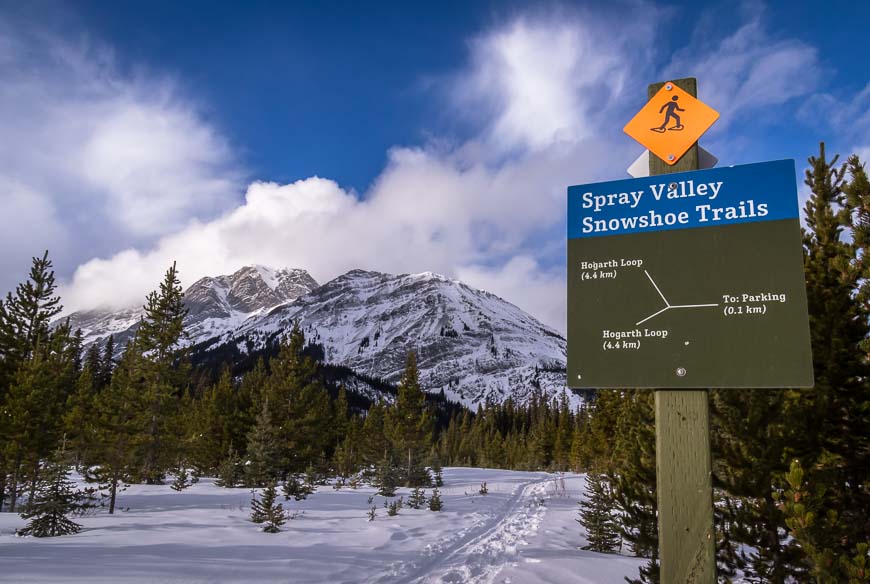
459	211
107	160
547	99
746	72
550	80
523	282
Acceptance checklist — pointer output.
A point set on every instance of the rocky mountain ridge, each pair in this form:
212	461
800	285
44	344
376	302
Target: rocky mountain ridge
470	343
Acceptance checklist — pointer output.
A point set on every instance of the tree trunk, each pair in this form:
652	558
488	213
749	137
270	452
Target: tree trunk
113	495
33	482
13	490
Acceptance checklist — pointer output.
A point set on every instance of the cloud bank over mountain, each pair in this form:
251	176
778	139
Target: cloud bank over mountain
121	174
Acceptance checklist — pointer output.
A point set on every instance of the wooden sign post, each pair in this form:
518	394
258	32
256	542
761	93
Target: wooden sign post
683	279
687	551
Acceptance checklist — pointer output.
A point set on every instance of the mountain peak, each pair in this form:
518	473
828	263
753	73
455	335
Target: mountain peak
469	343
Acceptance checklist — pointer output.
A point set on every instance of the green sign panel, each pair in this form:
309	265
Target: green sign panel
688	280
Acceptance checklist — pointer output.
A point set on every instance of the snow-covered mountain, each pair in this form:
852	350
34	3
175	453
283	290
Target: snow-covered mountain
470	343
215	304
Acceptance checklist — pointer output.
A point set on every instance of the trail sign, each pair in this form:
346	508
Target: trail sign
688	280
671	122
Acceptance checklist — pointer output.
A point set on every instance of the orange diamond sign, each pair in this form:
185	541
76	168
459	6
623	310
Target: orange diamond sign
671	122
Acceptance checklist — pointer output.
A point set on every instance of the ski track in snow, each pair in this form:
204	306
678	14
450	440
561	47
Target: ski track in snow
479	553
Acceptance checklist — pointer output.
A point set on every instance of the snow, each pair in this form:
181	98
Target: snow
368	321
522	531
269	275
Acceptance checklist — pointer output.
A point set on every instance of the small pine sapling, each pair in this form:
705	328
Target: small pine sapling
393	508
297	489
231	471
373	512
417	498
435	503
602	531
268	510
182	479
257	514
55	498
387	479
483	488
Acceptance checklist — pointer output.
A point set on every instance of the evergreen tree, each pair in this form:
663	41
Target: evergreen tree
111	453
231	470
804	510
55	499
165	371
263	450
24	332
32	414
632	477
25	318
268	511
435	503
828	426
410	425
299	490
300	406
93	361
417	498
387	477
437	471
219	423
602	532
375	443
182	478
107	365
78	418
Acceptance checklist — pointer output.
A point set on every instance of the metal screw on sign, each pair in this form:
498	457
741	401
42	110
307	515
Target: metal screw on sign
681	372
669	86
671	156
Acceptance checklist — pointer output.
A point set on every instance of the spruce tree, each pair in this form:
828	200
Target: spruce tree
264	448
231	470
632	477
296	488
112	456
24	334
107	365
182	478
387	478
829	426
435	503
410	425
300	406
602	532
56	498
158	340
79	414
268	511
25	318
417	498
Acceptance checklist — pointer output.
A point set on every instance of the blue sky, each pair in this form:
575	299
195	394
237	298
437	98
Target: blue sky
442	136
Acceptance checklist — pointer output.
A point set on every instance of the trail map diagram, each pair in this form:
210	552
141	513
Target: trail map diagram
668	305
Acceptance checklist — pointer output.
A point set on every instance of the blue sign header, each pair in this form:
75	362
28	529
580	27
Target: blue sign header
766	191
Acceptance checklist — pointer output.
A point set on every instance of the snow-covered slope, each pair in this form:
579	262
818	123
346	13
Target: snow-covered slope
523	531
470	343
215	304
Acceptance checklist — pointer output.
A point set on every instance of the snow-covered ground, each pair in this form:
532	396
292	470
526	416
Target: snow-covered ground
523	530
